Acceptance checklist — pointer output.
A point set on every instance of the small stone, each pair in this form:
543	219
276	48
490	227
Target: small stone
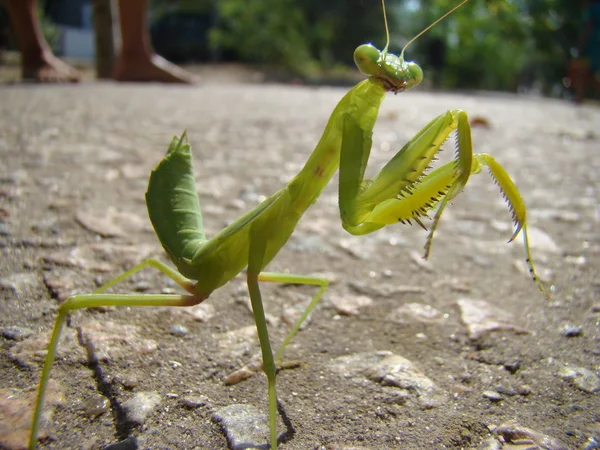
350	305
140	406
541	241
593	443
21	283
576	260
32	350
512	366
95	405
16	414
490	444
417	258
244	425
514	433
130	443
524	390
238	342
384	289
571	330
255	365
410	312
193	401
583	378
505	390
179	330
106	340
389	369
480	318
111	222
4	229
546	275
358	247
493	396
16	333
129	382
200	313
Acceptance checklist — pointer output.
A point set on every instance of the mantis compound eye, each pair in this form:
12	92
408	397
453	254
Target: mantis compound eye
415	75
366	57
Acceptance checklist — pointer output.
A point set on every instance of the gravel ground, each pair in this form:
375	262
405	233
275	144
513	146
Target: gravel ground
460	352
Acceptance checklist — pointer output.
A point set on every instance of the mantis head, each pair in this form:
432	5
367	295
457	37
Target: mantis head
391	71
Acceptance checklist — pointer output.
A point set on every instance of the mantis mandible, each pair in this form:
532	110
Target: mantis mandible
401	192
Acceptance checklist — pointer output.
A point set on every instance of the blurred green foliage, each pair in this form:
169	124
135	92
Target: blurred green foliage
487	44
300	36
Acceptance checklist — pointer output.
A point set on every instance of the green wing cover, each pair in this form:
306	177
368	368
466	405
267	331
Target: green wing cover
173	203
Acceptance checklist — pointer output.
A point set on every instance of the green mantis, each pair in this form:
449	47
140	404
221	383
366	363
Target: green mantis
402	191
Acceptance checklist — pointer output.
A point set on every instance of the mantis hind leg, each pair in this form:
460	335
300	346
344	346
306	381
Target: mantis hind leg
91	301
97	299
158	265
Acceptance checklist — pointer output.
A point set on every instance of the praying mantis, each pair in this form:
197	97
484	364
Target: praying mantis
403	191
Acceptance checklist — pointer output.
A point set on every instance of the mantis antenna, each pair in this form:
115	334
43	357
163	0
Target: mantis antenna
387	31
422	32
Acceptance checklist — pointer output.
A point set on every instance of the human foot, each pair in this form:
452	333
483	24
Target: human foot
154	68
47	68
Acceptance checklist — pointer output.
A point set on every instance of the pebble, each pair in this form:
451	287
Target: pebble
95	405
21	284
583	378
513	433
179	330
350	305
417	258
490	444
17	333
493	396
238	342
512	366
359	247
505	390
128	382
109	341
480	318
4	229
593	443
545	274
389	369
418	311
373	289
194	401
111	222
571	330
244	426
140	406
101	256
540	241
15	407
130	443
524	389
31	351
200	313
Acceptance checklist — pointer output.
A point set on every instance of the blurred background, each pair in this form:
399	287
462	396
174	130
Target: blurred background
502	45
